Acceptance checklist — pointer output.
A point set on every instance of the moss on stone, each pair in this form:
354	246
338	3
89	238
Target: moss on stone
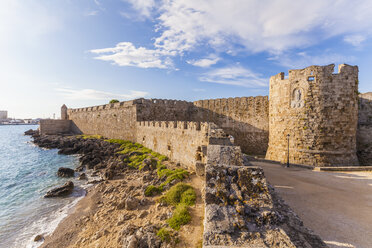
95	136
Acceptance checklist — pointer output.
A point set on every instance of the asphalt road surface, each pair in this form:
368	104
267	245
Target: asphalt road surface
336	206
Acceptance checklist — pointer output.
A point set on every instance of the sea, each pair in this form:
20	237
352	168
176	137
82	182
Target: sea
27	172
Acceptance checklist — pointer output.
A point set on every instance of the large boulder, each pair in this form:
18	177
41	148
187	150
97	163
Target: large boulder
65	172
63	190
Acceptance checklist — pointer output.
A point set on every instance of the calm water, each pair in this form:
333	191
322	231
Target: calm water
26	173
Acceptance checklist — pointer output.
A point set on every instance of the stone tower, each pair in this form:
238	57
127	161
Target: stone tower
319	111
64	115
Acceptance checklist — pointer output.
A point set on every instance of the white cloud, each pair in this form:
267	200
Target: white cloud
303	59
90	94
144	7
243	26
234	75
206	62
355	40
126	54
254	24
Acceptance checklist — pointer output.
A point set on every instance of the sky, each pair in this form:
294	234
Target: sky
87	52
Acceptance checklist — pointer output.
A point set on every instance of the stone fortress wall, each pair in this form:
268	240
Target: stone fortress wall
319	111
117	120
245	118
318	108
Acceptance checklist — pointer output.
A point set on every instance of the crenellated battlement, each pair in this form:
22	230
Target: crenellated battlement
182	125
105	106
314	73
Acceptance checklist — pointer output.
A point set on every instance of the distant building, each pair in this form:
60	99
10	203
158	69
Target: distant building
3	114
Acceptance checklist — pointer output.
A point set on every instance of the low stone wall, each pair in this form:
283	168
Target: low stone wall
55	126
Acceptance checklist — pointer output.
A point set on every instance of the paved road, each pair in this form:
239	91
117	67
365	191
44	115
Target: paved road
336	206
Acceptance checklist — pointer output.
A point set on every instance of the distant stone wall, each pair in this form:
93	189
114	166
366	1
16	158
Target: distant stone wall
117	120
164	110
364	132
245	118
319	110
48	127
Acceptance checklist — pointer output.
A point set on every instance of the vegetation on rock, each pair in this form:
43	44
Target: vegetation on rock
164	235
114	101
96	136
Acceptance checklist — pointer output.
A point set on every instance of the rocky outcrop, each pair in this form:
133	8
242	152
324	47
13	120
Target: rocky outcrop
65	172
63	190
31	132
96	154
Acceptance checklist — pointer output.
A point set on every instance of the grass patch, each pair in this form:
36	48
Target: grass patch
128	147
181	196
181	216
164	235
95	136
152	190
181	193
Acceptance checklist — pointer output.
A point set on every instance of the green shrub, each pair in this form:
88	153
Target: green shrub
181	216
180	193
164	235
152	190
113	101
177	174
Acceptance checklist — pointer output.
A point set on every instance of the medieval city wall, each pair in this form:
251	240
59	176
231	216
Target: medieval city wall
245	118
319	111
117	120
364	132
54	126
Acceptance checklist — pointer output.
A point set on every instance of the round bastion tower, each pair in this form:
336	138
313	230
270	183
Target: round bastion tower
319	111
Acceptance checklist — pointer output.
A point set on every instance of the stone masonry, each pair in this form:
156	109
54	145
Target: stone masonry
319	111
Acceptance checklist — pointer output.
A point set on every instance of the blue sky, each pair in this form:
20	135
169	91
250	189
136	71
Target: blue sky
87	52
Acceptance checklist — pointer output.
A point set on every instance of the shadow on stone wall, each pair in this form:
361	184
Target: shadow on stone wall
75	129
364	131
